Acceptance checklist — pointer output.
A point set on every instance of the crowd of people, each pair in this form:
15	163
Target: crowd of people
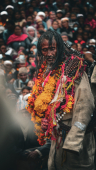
22	23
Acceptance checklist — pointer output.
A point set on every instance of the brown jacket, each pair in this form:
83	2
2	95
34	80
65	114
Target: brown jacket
77	151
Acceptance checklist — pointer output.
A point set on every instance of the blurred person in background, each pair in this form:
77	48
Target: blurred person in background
42	16
30	83
65	28
10	10
73	19
31	32
79	47
42	6
91	48
18	38
65	38
30	10
55	26
9	30
31	59
85	36
52	17
4	16
3	50
18	20
91	21
74	46
84	49
80	19
23	14
39	33
9	72
22	79
59	15
79	39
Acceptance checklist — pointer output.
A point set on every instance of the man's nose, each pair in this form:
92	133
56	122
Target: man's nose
49	53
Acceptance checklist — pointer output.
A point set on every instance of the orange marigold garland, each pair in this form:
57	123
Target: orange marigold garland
39	101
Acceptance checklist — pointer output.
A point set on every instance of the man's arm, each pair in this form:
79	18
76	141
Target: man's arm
83	109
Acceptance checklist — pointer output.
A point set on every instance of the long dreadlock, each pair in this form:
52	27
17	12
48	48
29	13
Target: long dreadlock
50	35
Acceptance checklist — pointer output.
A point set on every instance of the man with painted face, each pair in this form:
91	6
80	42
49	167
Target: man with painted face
61	106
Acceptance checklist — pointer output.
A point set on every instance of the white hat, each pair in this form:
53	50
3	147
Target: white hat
41	13
66	3
7	62
4	13
1	56
42	3
59	10
92	41
9	6
26	96
64	19
80	15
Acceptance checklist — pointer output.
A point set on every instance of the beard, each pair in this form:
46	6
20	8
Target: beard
50	60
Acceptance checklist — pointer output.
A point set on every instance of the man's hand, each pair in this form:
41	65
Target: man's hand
33	155
88	56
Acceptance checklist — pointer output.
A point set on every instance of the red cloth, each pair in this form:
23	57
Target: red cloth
92	23
81	42
14	37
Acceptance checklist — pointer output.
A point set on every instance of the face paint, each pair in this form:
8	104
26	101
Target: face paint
49	52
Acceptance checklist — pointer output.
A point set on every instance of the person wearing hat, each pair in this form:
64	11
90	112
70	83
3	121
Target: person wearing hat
4	16
42	6
64	36
66	28
59	15
9	71
10	9
22	79
42	16
80	19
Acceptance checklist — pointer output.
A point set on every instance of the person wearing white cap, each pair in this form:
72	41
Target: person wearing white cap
3	16
80	19
8	71
59	15
66	28
22	80
10	9
42	16
42	6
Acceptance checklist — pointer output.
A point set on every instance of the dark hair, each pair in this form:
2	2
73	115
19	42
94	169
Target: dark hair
17	26
54	21
74	44
79	35
50	35
26	87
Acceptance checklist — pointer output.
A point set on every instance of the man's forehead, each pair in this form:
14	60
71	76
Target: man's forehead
47	42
